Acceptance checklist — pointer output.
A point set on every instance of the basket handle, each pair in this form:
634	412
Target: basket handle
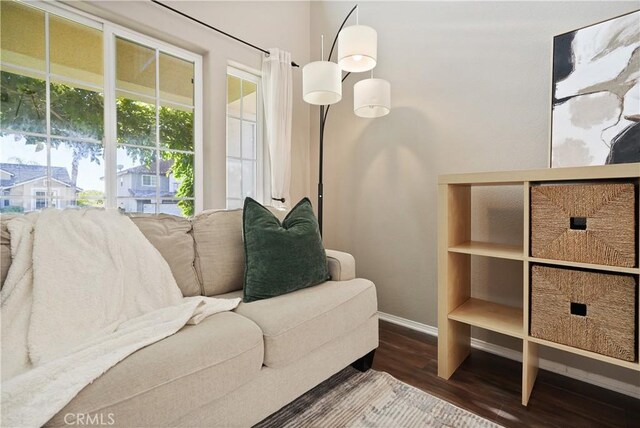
579	309
578	223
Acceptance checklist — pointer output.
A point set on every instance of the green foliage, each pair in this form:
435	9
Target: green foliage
176	132
90	198
11	209
23	104
78	113
136	122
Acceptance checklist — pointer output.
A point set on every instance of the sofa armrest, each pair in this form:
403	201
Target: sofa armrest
342	266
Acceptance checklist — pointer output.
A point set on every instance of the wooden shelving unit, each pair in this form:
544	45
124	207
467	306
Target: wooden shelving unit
458	311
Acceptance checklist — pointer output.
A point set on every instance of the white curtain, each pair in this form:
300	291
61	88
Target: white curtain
277	89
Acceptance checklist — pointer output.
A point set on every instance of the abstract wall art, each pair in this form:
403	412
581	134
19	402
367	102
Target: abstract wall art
596	94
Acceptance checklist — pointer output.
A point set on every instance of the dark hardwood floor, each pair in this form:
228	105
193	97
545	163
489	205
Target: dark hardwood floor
489	386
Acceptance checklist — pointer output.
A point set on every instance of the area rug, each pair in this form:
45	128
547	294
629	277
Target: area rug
371	399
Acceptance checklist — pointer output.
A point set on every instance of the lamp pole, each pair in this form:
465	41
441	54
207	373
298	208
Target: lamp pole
321	158
324	110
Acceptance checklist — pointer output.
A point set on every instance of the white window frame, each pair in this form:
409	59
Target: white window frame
110	32
36	197
50	196
254	76
6	197
153	180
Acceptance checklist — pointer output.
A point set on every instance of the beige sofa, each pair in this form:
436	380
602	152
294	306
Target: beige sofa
235	368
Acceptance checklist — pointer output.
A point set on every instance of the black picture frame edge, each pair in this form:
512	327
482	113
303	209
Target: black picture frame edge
550	155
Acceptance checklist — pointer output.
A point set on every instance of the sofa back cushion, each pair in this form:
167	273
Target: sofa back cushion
219	250
172	237
5	247
206	254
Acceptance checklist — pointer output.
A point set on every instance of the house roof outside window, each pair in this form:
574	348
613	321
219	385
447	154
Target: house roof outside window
16	174
165	166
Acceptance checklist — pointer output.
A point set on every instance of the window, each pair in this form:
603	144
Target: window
244	145
149	180
90	107
155	107
51	115
40	201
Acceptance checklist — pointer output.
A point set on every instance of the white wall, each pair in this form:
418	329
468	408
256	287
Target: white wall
286	28
470	92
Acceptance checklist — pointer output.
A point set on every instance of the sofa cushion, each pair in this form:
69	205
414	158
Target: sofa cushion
176	375
295	324
171	235
281	257
219	250
5	247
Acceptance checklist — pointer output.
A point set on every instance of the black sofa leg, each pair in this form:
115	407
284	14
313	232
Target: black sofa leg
363	364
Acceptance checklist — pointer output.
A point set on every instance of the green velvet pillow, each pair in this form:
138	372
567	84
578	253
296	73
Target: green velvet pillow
281	257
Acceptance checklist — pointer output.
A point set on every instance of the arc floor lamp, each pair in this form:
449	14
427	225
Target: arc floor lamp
322	81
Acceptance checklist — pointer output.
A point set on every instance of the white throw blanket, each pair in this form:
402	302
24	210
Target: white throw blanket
85	290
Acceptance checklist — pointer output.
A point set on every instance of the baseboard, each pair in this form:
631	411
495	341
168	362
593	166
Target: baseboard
552	366
413	325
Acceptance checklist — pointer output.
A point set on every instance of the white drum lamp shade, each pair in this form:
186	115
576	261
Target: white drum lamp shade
357	48
321	83
372	98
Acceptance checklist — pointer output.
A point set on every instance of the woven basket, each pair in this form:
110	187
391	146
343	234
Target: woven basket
588	223
587	310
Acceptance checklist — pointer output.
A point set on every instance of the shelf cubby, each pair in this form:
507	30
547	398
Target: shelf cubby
490	316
